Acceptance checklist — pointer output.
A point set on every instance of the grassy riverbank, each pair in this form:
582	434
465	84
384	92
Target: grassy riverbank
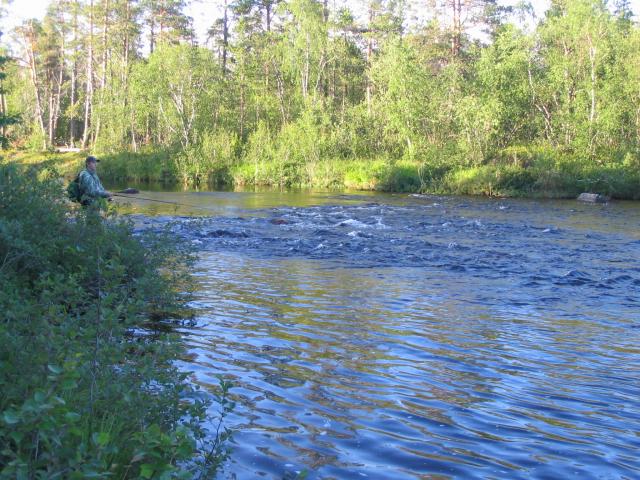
515	172
88	379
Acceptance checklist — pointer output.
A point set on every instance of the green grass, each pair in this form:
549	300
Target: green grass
66	164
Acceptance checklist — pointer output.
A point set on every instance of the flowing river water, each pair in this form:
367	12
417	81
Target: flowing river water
413	337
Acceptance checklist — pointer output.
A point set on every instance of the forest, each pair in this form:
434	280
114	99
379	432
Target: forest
472	97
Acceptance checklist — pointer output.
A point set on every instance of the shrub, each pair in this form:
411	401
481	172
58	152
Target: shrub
143	166
364	174
89	388
401	177
209	161
258	153
326	174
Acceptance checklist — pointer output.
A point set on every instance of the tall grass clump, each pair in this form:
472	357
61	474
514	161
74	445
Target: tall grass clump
89	388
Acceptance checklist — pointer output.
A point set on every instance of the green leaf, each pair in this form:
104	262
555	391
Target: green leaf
146	470
72	416
92	474
138	458
69	384
11	417
103	438
55	369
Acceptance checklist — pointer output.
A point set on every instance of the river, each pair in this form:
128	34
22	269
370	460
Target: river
412	337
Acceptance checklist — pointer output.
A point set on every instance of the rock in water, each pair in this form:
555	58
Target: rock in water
593	198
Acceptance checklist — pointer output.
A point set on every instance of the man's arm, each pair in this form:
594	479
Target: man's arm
101	191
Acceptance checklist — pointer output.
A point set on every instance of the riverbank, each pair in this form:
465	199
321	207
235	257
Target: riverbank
90	387
516	172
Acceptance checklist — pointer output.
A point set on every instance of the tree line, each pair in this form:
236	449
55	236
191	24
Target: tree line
300	82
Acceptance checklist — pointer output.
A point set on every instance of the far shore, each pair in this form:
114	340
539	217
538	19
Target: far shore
518	177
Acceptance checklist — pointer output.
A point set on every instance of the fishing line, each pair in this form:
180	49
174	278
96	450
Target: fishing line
162	201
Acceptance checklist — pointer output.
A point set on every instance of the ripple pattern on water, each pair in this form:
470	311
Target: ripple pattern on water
424	338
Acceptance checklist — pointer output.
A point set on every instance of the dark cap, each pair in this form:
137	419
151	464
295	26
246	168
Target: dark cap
91	158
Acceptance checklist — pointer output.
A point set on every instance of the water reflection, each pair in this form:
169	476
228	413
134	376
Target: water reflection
488	339
350	374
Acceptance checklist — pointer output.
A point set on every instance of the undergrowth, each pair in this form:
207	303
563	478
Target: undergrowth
90	387
520	171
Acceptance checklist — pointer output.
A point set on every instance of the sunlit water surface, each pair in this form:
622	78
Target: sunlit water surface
406	337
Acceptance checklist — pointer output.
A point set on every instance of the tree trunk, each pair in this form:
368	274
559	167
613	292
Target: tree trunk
74	78
592	113
58	95
592	58
29	39
51	113
152	33
225	39
3	110
456	36
126	45
105	45
88	101
103	71
369	55
306	68
267	8
59	80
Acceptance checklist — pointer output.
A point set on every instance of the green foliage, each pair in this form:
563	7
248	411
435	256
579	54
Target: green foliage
6	119
89	387
151	165
175	94
301	93
209	161
356	136
504	90
404	101
287	158
258	159
402	177
364	175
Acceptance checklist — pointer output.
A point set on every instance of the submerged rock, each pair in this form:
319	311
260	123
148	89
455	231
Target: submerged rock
593	198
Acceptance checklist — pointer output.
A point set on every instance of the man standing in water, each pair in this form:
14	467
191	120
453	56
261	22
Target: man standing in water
90	184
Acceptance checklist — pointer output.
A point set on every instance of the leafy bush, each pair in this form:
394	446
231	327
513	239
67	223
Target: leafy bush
489	180
89	388
326	174
138	166
209	161
258	154
357	136
364	174
402	177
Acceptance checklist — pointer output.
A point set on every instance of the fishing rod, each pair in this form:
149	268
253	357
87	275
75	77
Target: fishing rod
130	191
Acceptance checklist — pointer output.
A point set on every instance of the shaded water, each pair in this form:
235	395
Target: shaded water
392	337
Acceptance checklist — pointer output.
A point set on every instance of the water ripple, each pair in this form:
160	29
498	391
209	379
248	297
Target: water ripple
423	338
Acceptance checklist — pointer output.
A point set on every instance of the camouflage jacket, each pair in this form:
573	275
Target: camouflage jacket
90	186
